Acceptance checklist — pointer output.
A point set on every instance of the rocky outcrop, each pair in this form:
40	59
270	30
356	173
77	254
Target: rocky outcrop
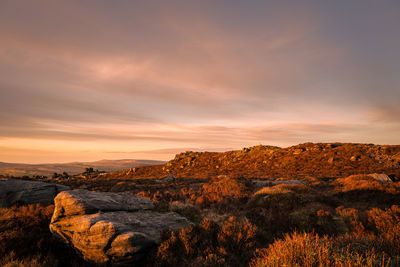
318	160
112	228
18	191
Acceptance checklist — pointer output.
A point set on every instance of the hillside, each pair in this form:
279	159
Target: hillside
319	160
329	218
16	169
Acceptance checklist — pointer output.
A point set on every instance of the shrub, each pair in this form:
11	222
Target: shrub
32	261
25	238
387	224
225	188
273	190
311	250
365	182
351	218
208	244
271	213
25	229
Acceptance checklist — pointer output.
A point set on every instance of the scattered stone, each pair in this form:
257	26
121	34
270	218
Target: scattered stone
110	228
18	191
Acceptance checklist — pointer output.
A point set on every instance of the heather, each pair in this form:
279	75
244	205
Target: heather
317	214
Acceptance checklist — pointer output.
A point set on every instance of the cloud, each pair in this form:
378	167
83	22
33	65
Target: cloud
203	74
386	114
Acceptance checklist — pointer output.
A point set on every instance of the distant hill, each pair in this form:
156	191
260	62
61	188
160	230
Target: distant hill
319	160
17	169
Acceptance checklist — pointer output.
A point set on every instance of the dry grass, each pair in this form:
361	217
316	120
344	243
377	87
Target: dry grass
222	189
16	222
365	183
208	244
273	190
32	261
280	189
25	239
311	250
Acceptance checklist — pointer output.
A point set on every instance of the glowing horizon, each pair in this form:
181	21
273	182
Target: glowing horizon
92	80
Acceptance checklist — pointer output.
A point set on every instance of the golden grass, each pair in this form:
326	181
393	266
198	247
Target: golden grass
208	244
312	250
280	189
365	182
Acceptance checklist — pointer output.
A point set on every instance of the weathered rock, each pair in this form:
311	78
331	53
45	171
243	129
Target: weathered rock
381	177
287	182
263	183
166	179
297	151
110	227
169	178
13	191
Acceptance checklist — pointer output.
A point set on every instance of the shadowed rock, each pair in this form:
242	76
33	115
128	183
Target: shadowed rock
262	183
110	227
13	191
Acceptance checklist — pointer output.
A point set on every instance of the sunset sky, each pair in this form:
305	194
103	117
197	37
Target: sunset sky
91	79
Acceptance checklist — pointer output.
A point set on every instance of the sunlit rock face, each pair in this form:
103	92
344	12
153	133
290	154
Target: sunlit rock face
18	191
112	228
381	177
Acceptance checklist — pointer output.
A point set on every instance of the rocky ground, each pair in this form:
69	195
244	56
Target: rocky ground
320	160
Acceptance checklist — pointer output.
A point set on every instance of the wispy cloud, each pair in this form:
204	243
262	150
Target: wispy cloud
146	76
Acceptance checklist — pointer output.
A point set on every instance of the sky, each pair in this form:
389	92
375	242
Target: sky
93	79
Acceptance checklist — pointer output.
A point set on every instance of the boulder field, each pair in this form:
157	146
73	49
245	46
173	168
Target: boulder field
110	228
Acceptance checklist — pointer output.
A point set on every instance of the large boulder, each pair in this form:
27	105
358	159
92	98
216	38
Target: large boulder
18	191
106	228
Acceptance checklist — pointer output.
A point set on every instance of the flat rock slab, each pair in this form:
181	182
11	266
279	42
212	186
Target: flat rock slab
79	202
18	191
110	227
287	182
263	183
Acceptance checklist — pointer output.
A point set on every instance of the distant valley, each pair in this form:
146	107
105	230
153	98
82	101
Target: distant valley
19	169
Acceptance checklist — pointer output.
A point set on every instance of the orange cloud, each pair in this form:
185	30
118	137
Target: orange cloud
88	78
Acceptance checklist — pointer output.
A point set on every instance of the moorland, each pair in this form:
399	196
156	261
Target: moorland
313	204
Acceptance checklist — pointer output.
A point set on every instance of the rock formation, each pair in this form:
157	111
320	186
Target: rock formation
18	191
112	228
381	177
